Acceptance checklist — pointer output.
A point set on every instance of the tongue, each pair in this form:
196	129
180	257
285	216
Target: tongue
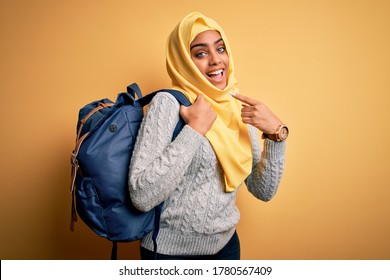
216	77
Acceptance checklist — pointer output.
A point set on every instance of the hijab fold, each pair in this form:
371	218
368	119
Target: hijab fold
229	136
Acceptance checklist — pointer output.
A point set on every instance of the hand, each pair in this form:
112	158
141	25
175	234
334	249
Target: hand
257	114
200	115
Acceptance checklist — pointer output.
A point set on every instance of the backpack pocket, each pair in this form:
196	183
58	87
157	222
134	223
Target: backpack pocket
88	205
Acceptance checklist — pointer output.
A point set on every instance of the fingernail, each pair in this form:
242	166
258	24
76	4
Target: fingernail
232	93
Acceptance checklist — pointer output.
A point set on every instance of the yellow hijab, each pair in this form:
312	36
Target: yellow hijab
229	136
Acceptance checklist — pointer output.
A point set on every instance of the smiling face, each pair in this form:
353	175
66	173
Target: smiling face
208	53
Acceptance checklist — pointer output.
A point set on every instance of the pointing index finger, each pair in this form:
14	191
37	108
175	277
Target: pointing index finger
245	99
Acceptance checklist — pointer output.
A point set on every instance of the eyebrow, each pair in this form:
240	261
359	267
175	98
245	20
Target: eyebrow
205	45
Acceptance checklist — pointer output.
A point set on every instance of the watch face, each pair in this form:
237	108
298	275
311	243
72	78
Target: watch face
283	133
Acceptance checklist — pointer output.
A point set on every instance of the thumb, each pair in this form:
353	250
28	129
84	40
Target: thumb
184	113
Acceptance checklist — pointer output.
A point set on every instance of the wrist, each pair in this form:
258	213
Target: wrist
198	128
280	135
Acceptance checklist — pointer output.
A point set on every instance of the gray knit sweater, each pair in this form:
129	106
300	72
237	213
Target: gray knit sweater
198	217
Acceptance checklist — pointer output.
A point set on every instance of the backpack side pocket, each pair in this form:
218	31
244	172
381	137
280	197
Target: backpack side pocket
88	205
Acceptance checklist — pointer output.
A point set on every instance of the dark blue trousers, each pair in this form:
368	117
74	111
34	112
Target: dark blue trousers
231	251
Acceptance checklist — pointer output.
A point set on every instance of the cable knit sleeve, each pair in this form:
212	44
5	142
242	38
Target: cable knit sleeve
268	166
158	164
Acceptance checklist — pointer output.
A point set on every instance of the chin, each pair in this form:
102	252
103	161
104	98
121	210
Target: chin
221	87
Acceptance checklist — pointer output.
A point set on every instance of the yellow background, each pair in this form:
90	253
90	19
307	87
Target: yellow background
322	66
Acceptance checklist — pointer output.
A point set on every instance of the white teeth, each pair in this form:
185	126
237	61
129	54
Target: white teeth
215	72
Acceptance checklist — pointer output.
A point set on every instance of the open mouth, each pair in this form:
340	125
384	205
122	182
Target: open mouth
216	75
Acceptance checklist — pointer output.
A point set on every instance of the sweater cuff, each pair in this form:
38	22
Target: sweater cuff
274	150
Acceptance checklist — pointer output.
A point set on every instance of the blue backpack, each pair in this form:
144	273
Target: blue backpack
106	134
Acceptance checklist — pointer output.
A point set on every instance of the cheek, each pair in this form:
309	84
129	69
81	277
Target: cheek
200	64
226	60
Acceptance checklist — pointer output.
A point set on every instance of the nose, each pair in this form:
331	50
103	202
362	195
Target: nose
214	59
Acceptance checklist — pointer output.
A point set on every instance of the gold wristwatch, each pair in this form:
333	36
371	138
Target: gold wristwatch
281	134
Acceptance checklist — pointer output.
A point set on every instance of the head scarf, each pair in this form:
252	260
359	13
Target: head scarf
229	136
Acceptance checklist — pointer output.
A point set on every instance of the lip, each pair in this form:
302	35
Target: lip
217	78
216	72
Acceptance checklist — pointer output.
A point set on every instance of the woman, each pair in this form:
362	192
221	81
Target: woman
198	174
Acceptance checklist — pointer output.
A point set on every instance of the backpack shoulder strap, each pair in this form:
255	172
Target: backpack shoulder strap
181	98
